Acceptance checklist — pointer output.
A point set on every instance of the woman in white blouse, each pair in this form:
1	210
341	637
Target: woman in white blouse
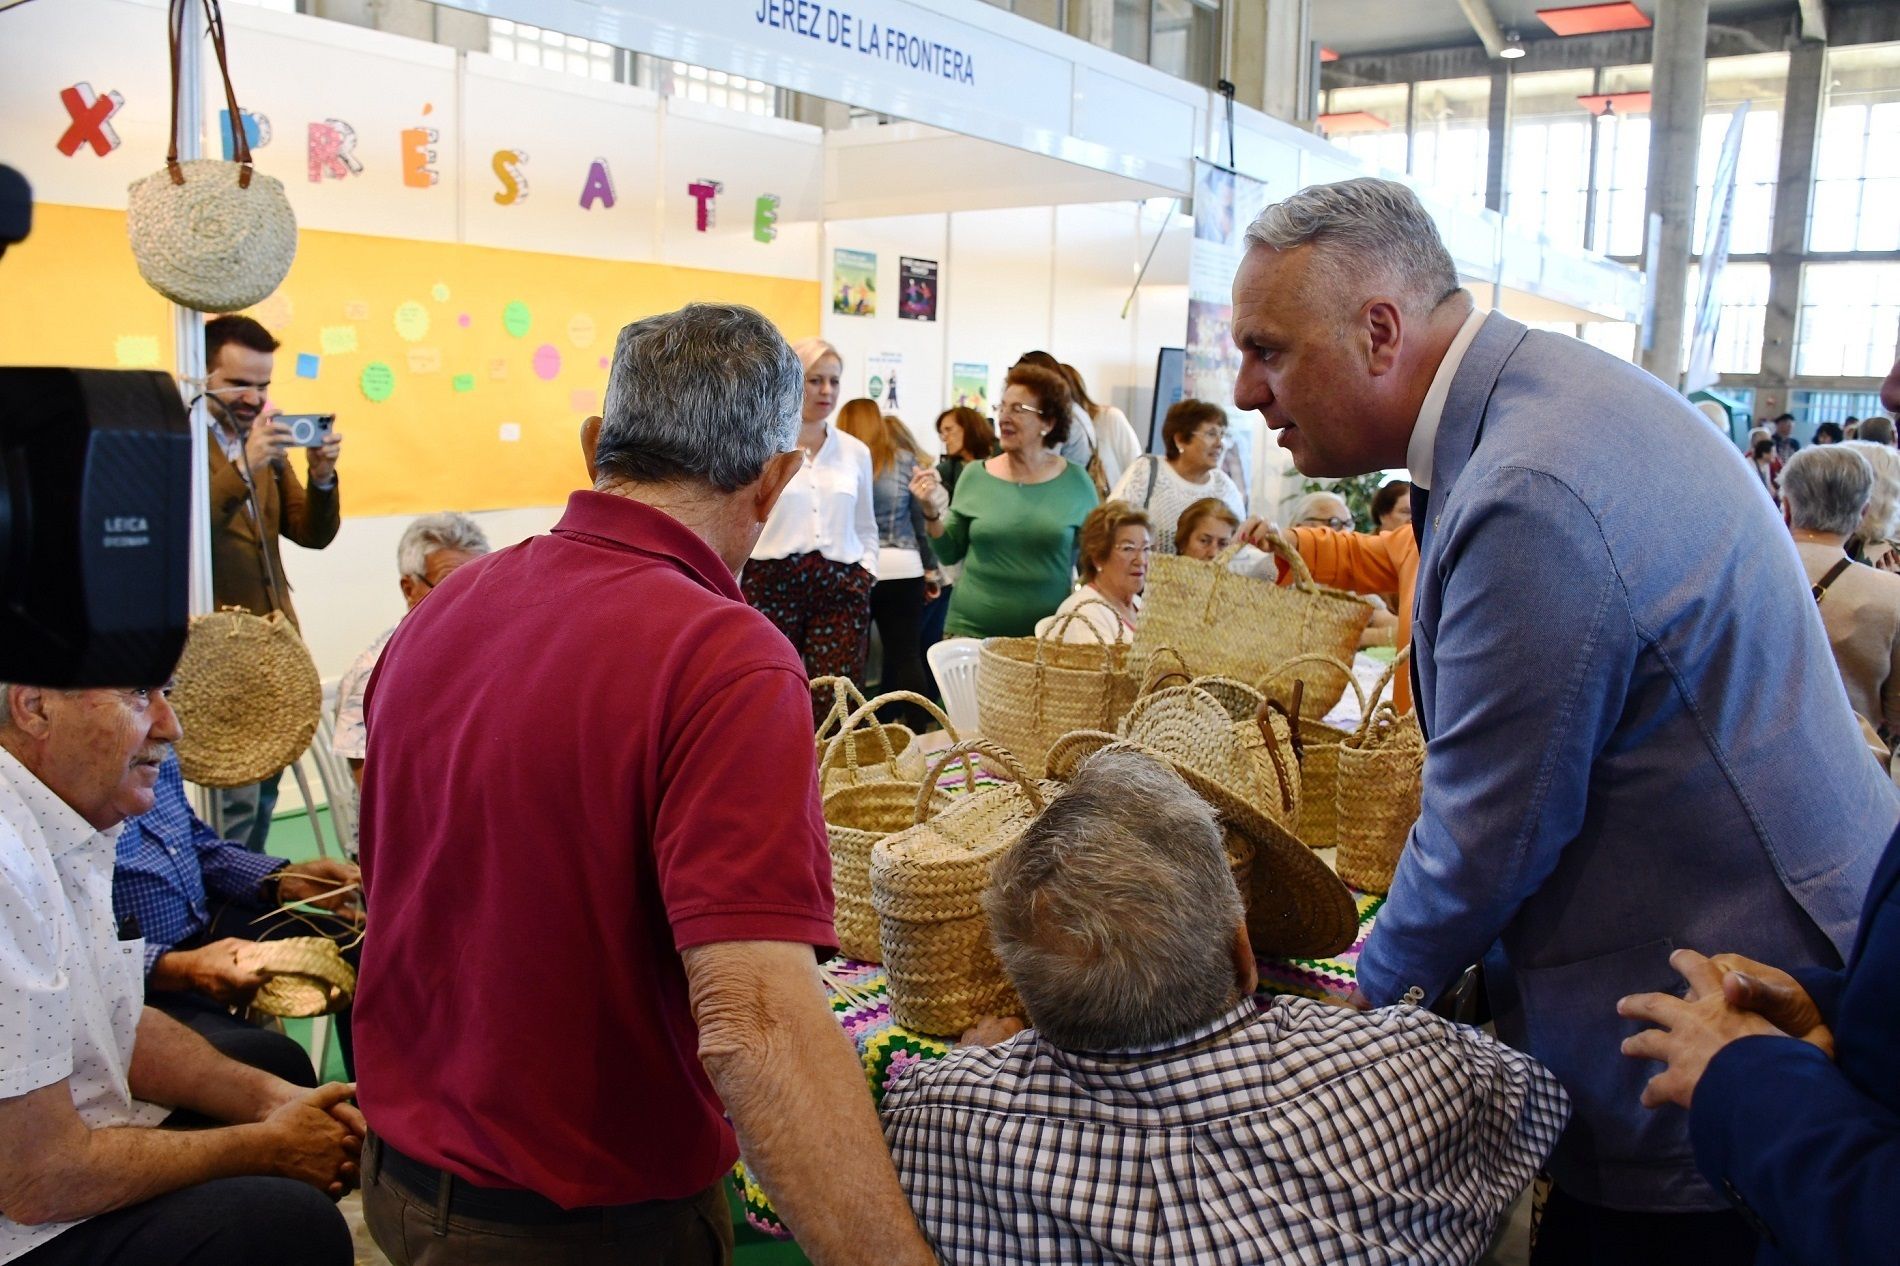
1195	433
1116	545
812	571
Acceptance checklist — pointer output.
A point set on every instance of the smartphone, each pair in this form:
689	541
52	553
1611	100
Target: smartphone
307	429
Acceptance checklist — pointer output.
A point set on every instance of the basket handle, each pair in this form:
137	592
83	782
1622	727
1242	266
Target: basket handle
1262	719
993	753
845	695
1152	681
214	26
1320	657
1378	688
1054	637
1280	548
843	739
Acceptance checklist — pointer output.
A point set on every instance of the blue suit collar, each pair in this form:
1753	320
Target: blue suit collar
1470	391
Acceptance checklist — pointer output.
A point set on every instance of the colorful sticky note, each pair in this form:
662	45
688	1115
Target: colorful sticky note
584	401
580	330
306	365
412	321
378	382
439	292
274	312
497	370
547	362
463	382
337	340
425	360
356	310
135	351
515	318
464	320
510	432
603	362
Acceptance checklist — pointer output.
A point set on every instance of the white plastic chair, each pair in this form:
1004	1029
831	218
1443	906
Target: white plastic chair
953	662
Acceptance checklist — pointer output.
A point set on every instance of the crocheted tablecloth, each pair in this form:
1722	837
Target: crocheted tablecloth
860	998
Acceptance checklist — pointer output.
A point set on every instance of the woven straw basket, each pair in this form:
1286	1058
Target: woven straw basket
1030	691
1381	774
858	815
210	235
1237	626
308	977
863	749
927	885
247	696
1318	751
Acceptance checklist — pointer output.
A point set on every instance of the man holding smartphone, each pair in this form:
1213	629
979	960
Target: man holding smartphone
256	499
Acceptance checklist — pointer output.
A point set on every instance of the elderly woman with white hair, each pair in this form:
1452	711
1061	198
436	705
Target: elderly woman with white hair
813	569
1876	541
1824	493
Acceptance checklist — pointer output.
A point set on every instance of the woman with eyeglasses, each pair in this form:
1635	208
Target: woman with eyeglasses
1016	517
1195	434
1117	543
812	570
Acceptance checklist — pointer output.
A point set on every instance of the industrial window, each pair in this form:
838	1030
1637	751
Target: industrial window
550	50
1857	170
1451	137
1368	123
1850	316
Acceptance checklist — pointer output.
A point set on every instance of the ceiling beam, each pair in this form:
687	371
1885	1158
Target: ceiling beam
1814	20
1479	14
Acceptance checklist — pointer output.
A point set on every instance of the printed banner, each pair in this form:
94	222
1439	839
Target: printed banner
1708	308
970	386
918	298
880	378
853	282
1225	203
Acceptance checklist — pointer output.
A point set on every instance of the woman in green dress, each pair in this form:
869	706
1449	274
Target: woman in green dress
1015	518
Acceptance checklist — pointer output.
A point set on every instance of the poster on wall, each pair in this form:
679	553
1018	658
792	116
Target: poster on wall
1225	203
917	301
853	282
881	370
970	386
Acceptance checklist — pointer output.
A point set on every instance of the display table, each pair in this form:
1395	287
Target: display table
861	1001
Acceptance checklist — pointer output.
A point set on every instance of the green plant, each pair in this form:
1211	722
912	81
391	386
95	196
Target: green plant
1356	489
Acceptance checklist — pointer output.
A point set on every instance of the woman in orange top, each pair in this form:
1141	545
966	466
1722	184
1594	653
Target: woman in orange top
1386	562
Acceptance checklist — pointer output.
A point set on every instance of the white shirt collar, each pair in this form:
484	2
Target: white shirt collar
1418	454
59	822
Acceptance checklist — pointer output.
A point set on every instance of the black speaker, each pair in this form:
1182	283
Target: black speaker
95	526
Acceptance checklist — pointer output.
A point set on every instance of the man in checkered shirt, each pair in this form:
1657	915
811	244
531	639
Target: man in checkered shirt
1157	1113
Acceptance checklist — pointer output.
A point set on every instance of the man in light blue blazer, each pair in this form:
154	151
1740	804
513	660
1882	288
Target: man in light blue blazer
1637	736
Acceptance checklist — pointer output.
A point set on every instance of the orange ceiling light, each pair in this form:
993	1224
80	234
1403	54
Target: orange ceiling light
1350	122
1621	104
1595	19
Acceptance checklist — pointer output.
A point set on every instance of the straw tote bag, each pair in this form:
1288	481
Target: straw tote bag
210	235
1230	625
1030	691
854	747
927	885
858	814
1316	745
1381	777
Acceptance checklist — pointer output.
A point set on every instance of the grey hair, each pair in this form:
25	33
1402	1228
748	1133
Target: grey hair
433	532
1304	507
1880	521
707	394
1115	913
1877	429
1826	488
1360	228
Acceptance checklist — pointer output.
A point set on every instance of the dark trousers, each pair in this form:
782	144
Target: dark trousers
236	1037
897	609
430	1218
823	608
1577	1234
936	611
227	1222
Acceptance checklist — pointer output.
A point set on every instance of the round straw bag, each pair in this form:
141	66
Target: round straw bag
1317	746
308	977
858	815
247	696
1030	691
1381	774
210	235
927	885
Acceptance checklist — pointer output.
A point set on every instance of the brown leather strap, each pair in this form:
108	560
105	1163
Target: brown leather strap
1267	708
1833	574
214	26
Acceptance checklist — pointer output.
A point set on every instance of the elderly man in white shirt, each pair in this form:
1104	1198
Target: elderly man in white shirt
87	1072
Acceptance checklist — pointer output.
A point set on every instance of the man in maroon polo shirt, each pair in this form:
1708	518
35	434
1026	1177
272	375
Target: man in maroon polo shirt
594	850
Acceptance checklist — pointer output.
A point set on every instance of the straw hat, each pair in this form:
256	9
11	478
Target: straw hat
1298	907
248	697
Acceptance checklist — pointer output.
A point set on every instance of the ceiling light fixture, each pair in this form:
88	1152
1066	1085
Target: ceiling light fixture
1513	46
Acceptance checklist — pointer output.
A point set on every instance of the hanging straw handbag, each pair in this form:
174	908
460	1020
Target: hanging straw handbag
308	976
865	749
207	234
1030	691
1230	625
247	695
860	813
927	885
1381	776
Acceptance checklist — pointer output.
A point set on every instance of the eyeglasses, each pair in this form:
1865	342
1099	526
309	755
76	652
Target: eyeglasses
1340	524
1128	549
1016	410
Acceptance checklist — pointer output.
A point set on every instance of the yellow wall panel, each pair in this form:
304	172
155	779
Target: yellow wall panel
431	312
